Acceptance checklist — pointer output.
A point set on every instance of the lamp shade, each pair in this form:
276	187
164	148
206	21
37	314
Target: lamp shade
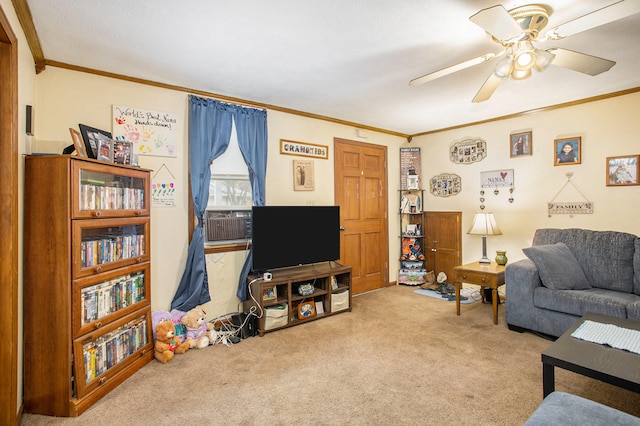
484	224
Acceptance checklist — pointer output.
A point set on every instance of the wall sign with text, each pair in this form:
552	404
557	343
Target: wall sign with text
151	132
304	149
497	179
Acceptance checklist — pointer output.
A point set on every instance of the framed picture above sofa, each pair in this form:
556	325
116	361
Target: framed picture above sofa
568	151
623	170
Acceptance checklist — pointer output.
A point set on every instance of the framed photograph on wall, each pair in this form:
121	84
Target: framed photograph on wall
567	151
623	170
521	144
303	175
90	138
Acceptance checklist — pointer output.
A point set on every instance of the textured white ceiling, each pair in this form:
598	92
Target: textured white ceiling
346	59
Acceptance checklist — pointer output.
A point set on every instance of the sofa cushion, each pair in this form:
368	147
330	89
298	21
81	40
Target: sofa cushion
560	408
606	257
633	310
636	268
579	302
558	267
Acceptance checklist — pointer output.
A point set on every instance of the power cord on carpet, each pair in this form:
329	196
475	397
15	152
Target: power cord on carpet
228	332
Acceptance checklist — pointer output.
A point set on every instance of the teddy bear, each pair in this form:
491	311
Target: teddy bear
167	343
197	328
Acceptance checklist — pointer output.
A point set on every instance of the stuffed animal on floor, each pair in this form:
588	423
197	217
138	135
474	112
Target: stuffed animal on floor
167	343
197	331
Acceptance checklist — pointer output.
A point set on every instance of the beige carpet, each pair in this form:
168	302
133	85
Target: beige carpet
397	358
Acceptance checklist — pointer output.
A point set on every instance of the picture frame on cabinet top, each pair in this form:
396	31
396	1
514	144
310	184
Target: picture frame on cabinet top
78	143
105	148
90	138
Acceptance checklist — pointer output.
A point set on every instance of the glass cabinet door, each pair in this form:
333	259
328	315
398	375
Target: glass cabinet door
100	245
99	299
107	191
100	355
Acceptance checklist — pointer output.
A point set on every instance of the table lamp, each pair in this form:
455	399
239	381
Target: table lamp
484	224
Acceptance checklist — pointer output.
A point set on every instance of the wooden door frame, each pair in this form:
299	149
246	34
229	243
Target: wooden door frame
386	282
9	351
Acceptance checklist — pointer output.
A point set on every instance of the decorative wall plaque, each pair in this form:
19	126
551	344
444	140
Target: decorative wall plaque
497	179
572	207
468	151
445	185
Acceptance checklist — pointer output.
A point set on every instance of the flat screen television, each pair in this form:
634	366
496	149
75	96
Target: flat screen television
284	236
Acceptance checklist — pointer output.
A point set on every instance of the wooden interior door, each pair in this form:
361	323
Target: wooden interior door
9	351
443	242
361	192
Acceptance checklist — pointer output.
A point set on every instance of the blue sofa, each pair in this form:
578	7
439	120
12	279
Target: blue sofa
569	272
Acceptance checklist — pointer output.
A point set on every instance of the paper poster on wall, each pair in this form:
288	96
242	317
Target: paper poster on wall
151	132
163	188
410	168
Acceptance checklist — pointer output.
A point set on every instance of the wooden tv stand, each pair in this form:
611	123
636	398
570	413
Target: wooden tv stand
278	299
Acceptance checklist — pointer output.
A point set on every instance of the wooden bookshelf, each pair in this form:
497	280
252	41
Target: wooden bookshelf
87	275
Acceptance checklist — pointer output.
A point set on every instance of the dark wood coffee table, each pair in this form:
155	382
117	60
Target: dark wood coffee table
601	362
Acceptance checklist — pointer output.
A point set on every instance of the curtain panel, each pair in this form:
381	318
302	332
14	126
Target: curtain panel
210	124
251	128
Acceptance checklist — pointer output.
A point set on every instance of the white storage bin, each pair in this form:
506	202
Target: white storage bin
276	316
339	301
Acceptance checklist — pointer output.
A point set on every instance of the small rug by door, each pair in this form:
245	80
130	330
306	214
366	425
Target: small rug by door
470	296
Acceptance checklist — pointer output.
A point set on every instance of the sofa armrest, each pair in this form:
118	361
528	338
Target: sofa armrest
524	276
521	279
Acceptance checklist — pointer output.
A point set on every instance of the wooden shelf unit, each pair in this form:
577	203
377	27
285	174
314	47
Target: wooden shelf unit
288	280
87	280
412	227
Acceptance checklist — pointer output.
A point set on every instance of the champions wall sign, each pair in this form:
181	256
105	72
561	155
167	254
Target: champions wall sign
304	149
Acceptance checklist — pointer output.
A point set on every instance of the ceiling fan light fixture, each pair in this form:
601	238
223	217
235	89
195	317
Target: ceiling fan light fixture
504	66
544	58
521	74
525	56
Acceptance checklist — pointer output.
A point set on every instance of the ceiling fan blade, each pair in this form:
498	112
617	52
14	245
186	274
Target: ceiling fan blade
580	62
450	70
487	88
611	13
497	22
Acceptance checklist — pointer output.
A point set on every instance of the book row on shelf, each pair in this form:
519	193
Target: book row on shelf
112	348
102	299
111	249
98	197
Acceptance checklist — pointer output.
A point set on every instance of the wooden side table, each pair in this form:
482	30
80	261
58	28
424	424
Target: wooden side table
483	274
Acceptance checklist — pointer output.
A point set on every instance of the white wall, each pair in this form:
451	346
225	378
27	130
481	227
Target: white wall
607	128
67	98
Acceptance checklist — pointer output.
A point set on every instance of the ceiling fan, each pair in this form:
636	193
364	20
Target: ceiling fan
517	29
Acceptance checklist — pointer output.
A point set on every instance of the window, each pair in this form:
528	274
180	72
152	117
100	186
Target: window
227	219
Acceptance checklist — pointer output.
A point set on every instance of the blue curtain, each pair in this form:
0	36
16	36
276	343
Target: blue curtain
251	128
210	124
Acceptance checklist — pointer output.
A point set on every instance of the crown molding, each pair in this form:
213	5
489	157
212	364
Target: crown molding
26	21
